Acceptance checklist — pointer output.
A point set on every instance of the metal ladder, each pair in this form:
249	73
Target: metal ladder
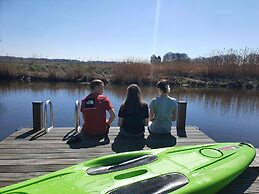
45	116
77	116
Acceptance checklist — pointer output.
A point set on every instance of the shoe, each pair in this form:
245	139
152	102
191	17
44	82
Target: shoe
74	139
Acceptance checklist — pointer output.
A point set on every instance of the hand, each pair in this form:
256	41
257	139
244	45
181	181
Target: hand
107	125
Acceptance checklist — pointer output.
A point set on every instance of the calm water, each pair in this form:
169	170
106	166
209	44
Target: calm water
223	114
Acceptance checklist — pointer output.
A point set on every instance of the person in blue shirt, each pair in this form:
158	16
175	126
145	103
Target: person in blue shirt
163	110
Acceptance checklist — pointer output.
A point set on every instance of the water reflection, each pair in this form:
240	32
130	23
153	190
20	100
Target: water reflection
222	113
51	87
226	100
2	108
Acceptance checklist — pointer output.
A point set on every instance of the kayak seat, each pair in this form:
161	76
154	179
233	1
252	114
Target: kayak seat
122	165
159	184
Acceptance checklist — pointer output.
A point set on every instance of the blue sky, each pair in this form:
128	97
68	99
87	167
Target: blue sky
121	29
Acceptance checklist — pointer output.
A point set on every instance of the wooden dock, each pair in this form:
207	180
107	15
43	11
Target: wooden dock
26	154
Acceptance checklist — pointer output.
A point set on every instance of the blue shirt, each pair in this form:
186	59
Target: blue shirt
164	109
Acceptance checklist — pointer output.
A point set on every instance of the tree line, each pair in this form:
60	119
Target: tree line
169	57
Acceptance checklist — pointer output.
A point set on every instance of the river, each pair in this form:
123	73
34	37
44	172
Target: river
223	114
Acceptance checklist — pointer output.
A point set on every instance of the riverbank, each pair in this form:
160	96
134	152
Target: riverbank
202	73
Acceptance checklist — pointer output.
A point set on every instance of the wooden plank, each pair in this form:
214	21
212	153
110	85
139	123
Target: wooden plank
247	182
43	161
66	155
257	155
35	168
255	163
61	139
17	151
113	132
60	134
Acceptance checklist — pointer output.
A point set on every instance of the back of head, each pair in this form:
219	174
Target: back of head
133	101
95	83
163	85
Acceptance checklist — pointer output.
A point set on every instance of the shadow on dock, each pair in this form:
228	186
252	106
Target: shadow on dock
26	134
69	135
124	143
242	184
76	141
37	135
160	141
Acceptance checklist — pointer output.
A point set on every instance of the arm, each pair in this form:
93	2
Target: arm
151	114
108	106
146	121
121	116
112	116
82	106
174	116
82	109
146	114
120	121
152	110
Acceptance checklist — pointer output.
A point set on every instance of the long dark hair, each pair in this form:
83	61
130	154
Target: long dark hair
133	102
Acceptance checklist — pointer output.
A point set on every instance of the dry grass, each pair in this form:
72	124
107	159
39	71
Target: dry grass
131	72
230	64
7	70
234	64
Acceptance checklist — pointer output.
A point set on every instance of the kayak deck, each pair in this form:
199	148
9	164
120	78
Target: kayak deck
21	159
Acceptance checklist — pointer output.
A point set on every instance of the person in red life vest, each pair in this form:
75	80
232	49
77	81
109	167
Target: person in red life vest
93	108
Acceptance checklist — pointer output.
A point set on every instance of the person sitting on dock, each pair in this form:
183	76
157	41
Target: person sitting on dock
93	108
133	113
162	110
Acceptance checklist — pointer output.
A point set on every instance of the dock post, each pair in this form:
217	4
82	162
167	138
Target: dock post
37	113
181	119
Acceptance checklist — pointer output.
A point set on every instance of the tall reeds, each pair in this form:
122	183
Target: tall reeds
131	72
226	64
230	64
234	64
7	71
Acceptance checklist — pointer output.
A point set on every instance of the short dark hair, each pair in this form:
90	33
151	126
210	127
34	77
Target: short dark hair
162	85
95	82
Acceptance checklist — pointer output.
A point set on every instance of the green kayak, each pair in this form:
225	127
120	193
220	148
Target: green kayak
188	169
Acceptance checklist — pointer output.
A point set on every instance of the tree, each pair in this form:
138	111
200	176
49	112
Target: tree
169	57
155	59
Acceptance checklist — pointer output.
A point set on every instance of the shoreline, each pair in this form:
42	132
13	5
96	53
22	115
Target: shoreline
213	72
